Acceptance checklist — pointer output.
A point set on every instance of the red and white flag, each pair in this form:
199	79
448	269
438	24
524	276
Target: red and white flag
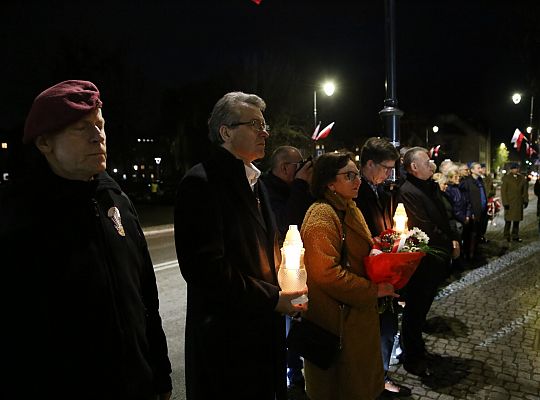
316	132
517	139
325	132
529	150
434	151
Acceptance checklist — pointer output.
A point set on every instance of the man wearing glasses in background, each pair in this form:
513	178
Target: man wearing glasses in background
377	159
288	183
227	249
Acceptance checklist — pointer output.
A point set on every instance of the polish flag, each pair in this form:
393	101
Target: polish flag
325	132
316	132
434	151
517	138
529	150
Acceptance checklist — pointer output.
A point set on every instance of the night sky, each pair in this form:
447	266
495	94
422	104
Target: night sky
161	64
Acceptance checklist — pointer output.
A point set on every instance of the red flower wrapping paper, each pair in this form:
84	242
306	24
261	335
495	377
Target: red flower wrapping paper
394	268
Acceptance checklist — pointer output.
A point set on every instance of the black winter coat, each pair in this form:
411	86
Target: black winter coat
377	211
288	202
426	211
227	250
82	317
472	188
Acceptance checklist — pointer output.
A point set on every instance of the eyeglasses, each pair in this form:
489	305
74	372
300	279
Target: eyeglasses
350	175
386	169
256	124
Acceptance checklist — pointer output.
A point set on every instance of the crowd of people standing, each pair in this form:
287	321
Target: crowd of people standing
94	294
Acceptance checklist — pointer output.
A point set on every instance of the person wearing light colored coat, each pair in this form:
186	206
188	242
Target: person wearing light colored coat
337	276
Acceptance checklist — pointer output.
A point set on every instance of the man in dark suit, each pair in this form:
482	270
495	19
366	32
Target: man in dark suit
227	249
473	185
421	197
377	159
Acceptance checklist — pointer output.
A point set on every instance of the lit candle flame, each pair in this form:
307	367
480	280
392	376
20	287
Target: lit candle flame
400	219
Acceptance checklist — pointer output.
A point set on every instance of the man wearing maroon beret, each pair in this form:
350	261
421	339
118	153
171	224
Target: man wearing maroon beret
84	322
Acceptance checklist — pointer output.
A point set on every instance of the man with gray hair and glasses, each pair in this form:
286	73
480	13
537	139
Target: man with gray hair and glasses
227	248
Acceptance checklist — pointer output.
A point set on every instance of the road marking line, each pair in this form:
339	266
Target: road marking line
509	328
165	265
490	268
159	231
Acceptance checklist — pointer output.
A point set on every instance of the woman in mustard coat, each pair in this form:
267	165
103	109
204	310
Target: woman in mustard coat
337	277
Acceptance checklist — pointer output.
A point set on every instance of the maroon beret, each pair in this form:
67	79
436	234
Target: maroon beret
59	106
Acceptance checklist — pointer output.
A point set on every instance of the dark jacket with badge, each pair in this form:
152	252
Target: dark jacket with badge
82	307
226	243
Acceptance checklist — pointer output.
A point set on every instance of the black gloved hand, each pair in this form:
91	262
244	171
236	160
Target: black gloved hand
525	205
507	208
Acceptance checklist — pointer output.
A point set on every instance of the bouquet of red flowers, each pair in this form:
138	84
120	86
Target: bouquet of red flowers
395	257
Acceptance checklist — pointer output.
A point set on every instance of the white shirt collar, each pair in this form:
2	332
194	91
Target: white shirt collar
252	174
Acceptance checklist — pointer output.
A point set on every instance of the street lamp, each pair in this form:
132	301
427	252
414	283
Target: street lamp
516	98
329	88
435	129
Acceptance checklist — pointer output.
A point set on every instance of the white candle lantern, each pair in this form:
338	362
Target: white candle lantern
292	275
400	219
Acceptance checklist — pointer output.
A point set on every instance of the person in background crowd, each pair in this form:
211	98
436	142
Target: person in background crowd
402	172
489	187
445	166
433	166
336	276
377	159
425	210
288	183
514	197
476	193
461	208
227	248
455	225
463	170
88	325
537	193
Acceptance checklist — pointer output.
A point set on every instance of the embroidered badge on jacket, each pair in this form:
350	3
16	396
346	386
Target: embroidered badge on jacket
114	215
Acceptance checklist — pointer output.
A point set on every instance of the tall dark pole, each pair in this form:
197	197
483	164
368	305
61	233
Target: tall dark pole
390	114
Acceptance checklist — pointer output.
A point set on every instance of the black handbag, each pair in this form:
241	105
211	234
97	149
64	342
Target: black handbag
314	343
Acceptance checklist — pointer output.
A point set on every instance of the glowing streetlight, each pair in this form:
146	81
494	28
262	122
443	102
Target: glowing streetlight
328	88
435	129
516	98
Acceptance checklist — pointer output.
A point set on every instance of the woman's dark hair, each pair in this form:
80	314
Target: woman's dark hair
325	169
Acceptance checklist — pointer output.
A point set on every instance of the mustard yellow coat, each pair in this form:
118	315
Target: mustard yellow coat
358	372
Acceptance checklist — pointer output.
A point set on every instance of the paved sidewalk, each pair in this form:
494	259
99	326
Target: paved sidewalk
486	325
